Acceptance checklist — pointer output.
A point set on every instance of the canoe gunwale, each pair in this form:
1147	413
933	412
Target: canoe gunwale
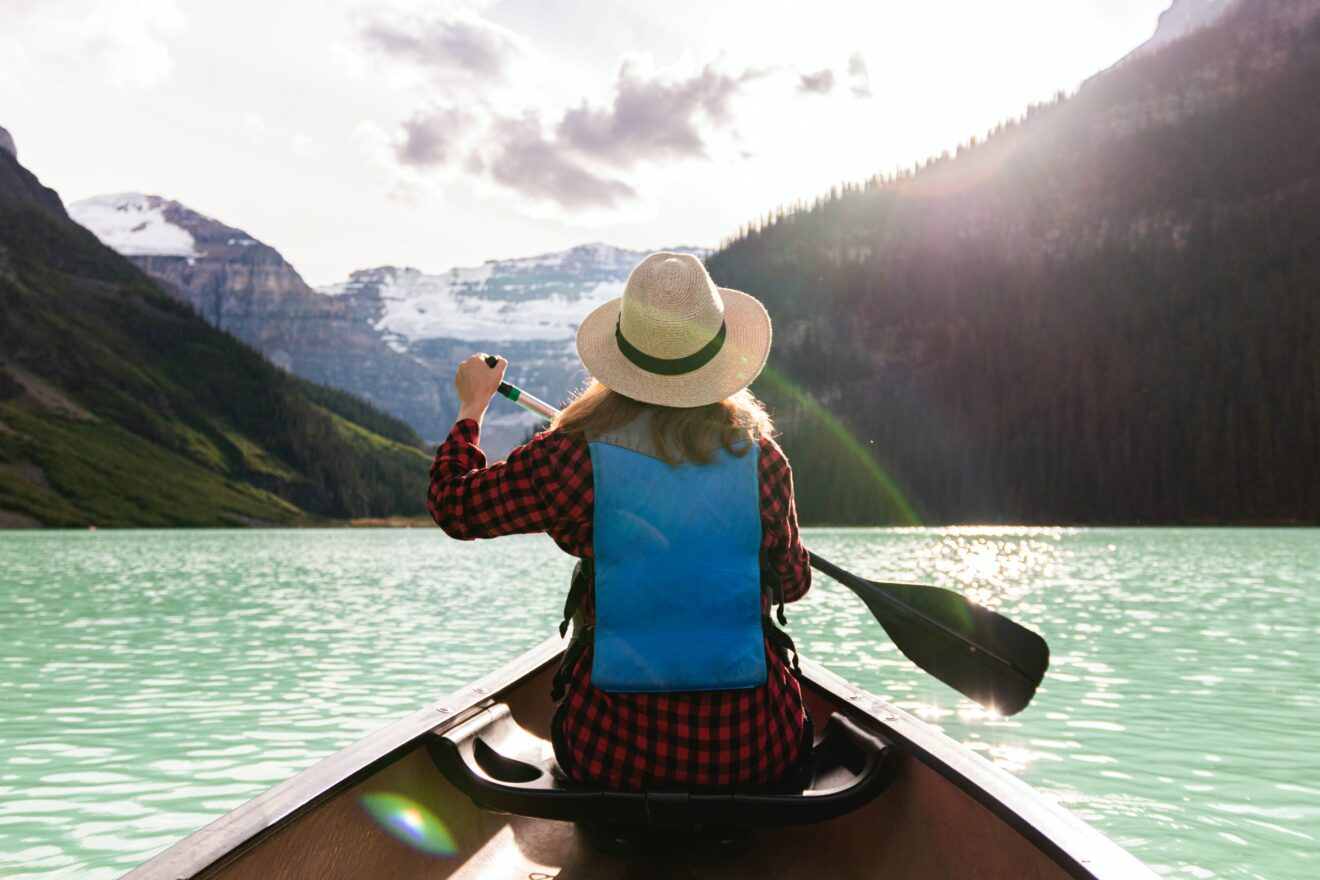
1070	843
1073	844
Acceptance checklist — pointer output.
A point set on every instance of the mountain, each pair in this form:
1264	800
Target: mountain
1182	18
246	287
526	309
120	406
1107	311
390	335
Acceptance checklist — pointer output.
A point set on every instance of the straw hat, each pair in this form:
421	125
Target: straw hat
674	338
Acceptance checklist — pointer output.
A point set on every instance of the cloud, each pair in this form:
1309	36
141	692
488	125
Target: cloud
650	118
122	42
859	78
430	137
554	158
595	154
527	162
823	81
459	43
819	83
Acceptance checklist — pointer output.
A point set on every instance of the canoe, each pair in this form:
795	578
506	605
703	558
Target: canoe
891	797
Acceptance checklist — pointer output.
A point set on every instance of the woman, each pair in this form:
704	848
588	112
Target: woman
663	479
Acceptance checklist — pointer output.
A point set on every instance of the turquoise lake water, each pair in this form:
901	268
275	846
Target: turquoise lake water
155	680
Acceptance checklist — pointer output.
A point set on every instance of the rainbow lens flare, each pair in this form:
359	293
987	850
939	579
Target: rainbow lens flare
869	466
410	822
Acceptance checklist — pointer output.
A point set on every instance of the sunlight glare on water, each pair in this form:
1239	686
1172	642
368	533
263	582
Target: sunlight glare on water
156	680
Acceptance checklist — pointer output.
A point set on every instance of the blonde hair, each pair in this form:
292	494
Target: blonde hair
686	434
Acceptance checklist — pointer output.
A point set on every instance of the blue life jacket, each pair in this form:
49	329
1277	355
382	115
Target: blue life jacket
677	569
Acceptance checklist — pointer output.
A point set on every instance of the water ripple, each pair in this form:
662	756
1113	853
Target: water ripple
158	679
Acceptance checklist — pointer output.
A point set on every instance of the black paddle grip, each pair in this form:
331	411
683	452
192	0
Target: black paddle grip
505	387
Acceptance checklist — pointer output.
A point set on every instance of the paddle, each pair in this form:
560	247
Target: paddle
977	652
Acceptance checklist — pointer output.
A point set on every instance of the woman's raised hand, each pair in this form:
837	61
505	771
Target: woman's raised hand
476	383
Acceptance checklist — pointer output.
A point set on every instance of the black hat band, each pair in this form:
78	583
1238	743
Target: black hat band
670	366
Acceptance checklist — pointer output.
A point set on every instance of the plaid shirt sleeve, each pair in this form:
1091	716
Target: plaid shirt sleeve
540	485
781	547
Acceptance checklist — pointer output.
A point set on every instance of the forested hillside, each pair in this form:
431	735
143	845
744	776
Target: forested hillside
1107	311
119	405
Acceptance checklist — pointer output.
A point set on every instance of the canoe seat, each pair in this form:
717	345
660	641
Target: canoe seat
504	768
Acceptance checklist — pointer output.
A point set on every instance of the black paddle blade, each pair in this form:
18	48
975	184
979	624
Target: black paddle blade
977	652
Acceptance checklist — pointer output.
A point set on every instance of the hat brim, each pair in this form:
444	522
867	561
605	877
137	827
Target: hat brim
741	359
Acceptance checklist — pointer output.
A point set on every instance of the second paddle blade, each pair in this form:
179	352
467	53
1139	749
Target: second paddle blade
977	652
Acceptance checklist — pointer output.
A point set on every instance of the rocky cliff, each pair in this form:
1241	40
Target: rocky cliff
1182	18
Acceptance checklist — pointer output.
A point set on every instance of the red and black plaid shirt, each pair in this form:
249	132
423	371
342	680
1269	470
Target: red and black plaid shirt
717	739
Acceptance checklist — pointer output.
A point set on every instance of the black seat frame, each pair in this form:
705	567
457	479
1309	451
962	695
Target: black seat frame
503	768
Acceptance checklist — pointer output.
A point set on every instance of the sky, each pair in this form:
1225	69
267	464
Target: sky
426	133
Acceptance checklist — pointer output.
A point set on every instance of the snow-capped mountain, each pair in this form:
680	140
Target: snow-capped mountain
540	298
526	309
135	225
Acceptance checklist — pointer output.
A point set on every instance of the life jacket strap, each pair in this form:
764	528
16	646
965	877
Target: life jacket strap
774	586
583	572
780	641
582	633
576	648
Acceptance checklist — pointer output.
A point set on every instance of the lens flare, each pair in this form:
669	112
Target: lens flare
410	822
881	480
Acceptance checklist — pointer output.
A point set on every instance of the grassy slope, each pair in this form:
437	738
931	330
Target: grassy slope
95	473
119	406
